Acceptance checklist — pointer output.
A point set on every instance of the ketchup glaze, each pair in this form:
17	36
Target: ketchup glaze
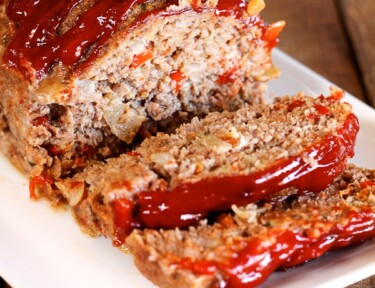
188	203
251	265
38	43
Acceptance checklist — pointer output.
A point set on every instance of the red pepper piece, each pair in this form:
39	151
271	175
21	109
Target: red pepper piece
42	120
139	59
178	77
228	76
272	33
295	104
38	181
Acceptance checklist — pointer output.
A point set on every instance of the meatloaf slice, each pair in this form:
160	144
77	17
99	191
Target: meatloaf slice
209	165
84	79
243	248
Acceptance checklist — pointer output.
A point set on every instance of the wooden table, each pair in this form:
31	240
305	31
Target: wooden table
335	38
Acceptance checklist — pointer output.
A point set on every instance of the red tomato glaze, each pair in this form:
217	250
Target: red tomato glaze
38	43
188	203
251	265
124	220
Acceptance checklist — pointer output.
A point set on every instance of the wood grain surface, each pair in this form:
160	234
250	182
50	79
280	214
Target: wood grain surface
316	35
359	17
335	38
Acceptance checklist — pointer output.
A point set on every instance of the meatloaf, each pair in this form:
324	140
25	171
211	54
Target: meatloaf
86	79
242	248
175	180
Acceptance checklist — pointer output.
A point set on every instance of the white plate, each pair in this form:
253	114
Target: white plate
40	247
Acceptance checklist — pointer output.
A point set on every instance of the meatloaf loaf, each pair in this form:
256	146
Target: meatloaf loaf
84	79
175	180
241	249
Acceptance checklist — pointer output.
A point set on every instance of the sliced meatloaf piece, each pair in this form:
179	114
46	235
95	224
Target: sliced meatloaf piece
243	248
208	165
84	79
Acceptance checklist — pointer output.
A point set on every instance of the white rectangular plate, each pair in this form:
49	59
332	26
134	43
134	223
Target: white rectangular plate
41	247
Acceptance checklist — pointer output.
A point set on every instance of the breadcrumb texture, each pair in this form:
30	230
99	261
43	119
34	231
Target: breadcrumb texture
222	144
157	253
192	64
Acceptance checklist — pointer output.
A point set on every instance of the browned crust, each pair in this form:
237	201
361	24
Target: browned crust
157	163
160	274
155	251
15	108
22	102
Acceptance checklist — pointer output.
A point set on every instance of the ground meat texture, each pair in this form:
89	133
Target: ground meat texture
243	248
226	158
156	73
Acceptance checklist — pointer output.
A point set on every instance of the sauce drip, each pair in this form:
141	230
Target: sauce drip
251	265
39	44
124	221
